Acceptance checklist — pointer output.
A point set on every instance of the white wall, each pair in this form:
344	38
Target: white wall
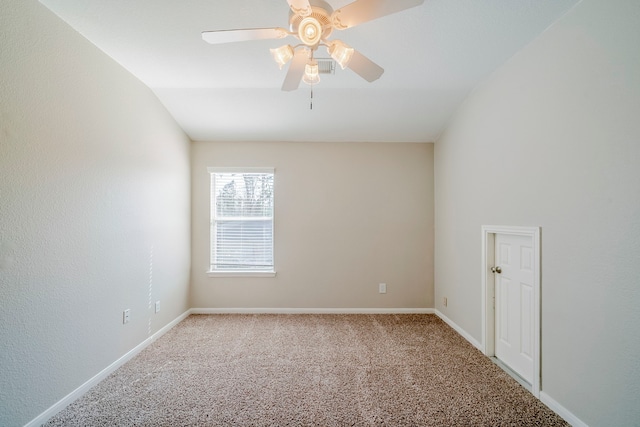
347	217
552	140
94	211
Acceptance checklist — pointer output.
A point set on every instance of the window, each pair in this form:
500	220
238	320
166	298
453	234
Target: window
242	221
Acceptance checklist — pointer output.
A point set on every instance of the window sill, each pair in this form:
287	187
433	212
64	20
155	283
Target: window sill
241	273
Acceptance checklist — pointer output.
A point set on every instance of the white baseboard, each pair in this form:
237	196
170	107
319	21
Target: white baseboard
561	410
544	397
312	311
459	330
77	393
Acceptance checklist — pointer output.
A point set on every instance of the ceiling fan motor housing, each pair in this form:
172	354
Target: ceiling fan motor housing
313	28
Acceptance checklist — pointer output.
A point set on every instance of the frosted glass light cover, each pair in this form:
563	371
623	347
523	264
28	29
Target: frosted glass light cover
341	53
282	55
310	31
311	74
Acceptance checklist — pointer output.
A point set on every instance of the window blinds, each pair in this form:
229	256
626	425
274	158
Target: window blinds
242	220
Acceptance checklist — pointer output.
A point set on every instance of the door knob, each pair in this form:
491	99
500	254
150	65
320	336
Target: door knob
496	269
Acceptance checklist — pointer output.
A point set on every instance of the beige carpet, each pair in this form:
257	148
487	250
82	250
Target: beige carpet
309	370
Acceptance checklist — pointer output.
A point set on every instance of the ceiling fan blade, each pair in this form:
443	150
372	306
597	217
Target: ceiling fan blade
296	70
300	7
230	36
364	67
367	10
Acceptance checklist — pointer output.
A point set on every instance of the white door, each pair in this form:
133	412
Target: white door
514	303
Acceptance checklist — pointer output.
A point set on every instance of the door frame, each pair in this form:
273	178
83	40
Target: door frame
488	293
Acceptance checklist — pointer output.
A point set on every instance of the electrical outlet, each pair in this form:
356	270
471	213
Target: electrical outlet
157	306
126	316
382	288
444	301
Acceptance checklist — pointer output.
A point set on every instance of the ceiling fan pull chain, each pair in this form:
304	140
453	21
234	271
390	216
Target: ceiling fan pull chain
311	100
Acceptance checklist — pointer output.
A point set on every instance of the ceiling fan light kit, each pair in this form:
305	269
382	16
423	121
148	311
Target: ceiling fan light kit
310	31
311	74
341	53
282	55
312	22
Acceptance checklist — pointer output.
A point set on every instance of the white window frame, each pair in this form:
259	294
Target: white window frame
229	273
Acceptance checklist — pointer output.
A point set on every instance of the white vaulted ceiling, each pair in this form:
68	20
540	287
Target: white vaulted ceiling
433	56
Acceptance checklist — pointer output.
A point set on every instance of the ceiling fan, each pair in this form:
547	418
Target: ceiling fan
312	22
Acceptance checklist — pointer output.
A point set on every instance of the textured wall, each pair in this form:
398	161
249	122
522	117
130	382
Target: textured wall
94	211
551	140
347	217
